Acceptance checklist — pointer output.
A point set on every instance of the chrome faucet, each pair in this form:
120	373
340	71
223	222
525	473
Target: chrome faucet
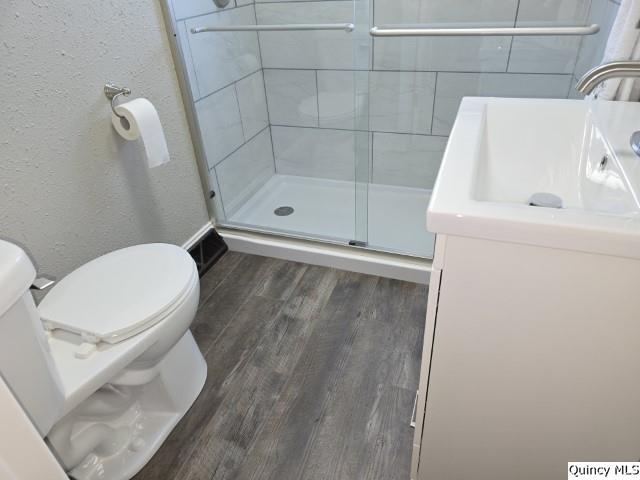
599	74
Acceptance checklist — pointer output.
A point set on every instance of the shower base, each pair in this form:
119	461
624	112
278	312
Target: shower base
327	209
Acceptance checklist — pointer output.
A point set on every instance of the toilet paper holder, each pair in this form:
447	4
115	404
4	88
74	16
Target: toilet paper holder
112	91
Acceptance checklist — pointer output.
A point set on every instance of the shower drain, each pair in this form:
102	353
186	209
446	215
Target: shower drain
283	211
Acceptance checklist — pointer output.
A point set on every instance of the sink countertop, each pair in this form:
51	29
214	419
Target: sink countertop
501	151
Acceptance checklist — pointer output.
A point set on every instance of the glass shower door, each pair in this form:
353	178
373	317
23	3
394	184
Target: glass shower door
274	86
421	70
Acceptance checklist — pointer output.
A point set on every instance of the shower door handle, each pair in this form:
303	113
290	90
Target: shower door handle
294	27
430	31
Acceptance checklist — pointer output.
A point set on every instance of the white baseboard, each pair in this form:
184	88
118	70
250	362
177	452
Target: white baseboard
336	256
196	237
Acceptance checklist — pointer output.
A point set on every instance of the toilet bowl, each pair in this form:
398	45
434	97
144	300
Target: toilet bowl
105	366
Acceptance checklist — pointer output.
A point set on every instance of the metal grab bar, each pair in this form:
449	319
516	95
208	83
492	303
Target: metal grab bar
347	27
427	31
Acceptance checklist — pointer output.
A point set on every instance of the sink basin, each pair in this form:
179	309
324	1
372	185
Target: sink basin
502	151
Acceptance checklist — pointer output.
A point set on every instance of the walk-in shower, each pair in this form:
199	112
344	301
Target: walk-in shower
327	119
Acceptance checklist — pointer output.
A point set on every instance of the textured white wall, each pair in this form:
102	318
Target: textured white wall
70	187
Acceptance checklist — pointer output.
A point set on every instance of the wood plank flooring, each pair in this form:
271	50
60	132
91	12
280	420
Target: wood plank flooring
311	375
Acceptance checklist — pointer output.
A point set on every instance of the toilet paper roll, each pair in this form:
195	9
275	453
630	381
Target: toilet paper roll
141	121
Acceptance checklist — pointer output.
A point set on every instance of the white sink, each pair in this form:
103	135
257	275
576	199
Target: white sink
501	151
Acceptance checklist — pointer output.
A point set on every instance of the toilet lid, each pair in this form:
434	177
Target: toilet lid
119	294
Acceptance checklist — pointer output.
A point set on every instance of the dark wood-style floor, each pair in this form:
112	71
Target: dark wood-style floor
312	375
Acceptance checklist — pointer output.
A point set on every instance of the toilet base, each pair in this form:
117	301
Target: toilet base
144	416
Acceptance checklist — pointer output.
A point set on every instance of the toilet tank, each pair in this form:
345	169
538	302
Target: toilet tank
25	361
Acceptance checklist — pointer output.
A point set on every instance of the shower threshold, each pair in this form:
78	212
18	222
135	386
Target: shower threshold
326	209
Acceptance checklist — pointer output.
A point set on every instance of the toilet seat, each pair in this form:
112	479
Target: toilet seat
120	294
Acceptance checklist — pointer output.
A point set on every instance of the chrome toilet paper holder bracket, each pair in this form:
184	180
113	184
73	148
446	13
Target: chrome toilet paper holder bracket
112	91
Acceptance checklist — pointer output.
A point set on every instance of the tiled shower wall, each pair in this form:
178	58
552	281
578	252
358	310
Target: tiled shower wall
226	79
415	84
293	92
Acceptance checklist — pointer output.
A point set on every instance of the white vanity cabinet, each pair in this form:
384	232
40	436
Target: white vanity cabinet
531	359
532	343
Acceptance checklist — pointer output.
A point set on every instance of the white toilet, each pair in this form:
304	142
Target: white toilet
105	366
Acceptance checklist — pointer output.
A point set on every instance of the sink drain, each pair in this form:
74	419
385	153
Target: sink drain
283	211
545	199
